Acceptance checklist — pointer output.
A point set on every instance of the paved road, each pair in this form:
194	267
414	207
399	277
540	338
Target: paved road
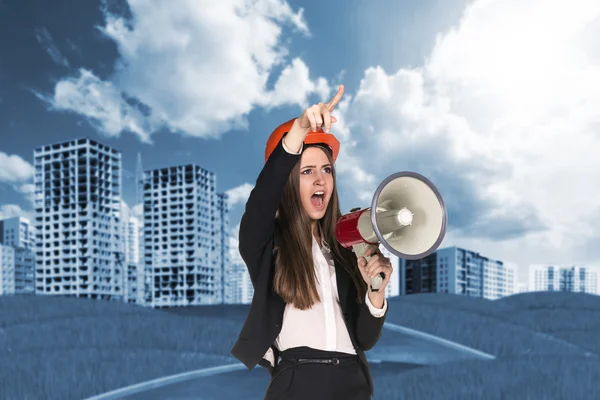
398	350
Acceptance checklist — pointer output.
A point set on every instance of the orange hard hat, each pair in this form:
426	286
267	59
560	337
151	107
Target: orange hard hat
319	136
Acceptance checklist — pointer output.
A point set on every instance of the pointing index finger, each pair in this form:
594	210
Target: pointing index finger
336	99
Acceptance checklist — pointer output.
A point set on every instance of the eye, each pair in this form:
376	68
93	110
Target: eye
306	170
328	170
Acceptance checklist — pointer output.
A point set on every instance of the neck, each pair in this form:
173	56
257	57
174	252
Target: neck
315	230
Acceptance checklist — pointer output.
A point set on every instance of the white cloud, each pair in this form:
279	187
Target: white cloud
239	194
193	69
503	117
46	40
13	210
28	189
294	86
102	103
14	169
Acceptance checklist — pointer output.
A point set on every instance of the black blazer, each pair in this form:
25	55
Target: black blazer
258	235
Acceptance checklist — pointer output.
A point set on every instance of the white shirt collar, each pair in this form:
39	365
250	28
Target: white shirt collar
324	245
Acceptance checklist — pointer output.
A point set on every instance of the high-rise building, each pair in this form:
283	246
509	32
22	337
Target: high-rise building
24	271
498	278
564	278
419	276
393	287
130	246
238	285
132	239
459	271
7	270
183	239
246	289
143	281
17	232
222	227
77	204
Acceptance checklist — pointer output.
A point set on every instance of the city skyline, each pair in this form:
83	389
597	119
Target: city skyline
491	152
448	270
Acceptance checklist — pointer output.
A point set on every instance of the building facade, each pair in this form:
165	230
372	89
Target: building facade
183	238
17	235
24	271
130	246
459	271
563	278
222	232
7	270
17	232
393	287
77	205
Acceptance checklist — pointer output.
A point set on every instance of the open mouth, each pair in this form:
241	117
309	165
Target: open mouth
318	200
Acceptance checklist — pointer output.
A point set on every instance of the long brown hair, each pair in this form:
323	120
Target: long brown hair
295	279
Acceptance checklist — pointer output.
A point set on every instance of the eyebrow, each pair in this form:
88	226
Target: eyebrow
314	166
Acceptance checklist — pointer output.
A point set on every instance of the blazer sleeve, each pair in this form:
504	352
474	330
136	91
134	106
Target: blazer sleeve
368	326
257	225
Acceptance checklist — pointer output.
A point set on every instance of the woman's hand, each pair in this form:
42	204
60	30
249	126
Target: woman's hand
319	115
377	264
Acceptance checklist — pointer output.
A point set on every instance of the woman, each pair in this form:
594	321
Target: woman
312	316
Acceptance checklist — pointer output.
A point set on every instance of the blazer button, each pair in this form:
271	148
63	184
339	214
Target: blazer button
346	316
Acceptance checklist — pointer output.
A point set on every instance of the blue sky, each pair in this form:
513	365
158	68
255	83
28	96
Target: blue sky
494	101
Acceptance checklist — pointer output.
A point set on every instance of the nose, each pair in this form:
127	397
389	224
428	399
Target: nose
319	179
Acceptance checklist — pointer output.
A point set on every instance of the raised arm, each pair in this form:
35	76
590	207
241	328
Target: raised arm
258	222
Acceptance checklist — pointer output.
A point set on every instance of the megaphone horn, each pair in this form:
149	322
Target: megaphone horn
410	220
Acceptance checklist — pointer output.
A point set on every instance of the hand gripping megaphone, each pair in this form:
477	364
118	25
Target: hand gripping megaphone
407	215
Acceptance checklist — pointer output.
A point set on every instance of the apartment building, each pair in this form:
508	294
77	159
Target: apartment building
17	232
564	278
459	271
185	221
7	270
77	204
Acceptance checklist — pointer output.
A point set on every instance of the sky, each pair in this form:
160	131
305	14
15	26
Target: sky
496	102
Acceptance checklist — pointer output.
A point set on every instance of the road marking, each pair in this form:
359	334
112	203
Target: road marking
437	339
167	380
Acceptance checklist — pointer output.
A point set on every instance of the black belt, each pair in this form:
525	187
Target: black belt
332	361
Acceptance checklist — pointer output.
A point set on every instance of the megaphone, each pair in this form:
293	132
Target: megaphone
407	215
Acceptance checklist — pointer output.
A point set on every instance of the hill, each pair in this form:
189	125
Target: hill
75	348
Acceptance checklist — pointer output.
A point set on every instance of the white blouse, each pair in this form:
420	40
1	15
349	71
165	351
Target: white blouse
321	327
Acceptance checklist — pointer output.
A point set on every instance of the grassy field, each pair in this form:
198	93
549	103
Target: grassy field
532	377
73	348
552	300
77	373
477	327
66	348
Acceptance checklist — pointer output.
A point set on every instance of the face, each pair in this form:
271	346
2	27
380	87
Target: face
316	177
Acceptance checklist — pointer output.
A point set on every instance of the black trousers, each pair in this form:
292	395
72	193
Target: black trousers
310	374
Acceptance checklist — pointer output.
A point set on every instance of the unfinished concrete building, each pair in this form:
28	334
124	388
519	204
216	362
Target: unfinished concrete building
185	225
77	204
